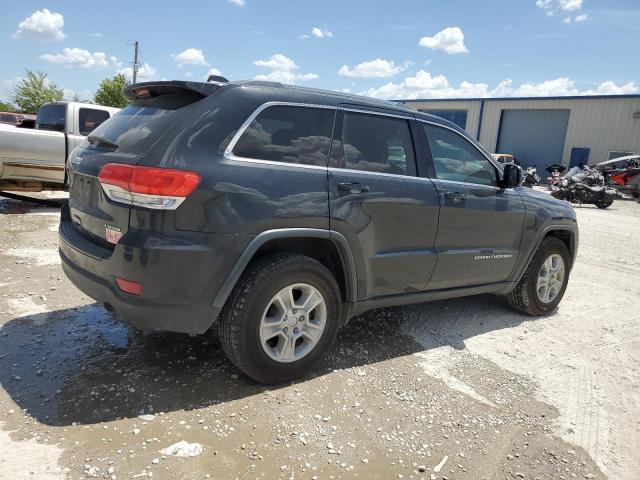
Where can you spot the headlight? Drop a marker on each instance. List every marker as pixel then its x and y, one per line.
pixel 565 182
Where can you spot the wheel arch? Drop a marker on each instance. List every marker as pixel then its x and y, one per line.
pixel 328 247
pixel 568 234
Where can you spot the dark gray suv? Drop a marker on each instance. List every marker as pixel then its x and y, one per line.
pixel 282 212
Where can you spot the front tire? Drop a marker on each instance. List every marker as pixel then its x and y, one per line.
pixel 282 318
pixel 604 202
pixel 543 284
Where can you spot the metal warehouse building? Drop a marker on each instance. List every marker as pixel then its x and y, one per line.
pixel 545 130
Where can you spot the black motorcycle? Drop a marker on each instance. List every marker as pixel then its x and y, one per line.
pixel 584 185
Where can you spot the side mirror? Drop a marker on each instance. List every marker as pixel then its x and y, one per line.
pixel 512 176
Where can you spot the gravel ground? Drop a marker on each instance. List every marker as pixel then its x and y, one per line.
pixel 458 389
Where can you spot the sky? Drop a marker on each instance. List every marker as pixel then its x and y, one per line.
pixel 391 50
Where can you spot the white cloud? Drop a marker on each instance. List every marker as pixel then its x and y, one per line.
pixel 581 18
pixel 145 73
pixel 77 57
pixel 378 68
pixel 97 34
pixel 283 69
pixel 321 32
pixel 239 3
pixel 425 85
pixel 551 7
pixel 42 25
pixel 190 56
pixel 450 40
pixel 610 88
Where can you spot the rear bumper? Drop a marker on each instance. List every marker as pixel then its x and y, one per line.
pixel 179 276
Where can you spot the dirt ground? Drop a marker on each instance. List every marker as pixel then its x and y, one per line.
pixel 458 389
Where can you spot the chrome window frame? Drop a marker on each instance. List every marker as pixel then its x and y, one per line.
pixel 228 152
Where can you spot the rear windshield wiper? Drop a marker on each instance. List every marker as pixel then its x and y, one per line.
pixel 104 141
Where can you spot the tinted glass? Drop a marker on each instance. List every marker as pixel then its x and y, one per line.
pixel 375 143
pixel 51 117
pixel 455 158
pixel 90 119
pixel 288 134
pixel 137 127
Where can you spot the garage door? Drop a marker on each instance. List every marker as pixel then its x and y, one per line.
pixel 534 137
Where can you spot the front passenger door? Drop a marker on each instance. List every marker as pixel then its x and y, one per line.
pixel 480 224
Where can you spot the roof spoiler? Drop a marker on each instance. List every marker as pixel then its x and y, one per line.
pixel 155 89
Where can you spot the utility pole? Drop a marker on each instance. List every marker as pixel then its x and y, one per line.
pixel 136 65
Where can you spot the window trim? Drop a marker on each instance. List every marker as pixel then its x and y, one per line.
pixel 472 141
pixel 228 152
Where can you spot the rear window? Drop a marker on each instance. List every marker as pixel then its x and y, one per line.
pixel 288 134
pixel 51 117
pixel 90 119
pixel 137 127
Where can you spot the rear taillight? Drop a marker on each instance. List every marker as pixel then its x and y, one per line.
pixel 148 187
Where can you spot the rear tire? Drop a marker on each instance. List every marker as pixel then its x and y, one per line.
pixel 242 321
pixel 525 297
pixel 604 202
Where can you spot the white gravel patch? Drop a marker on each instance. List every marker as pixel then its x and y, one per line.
pixel 28 459
pixel 183 449
pixel 26 306
pixel 40 256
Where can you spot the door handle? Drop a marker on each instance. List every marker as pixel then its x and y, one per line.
pixel 454 196
pixel 353 187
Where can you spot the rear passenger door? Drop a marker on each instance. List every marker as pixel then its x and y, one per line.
pixel 275 173
pixel 377 201
pixel 480 224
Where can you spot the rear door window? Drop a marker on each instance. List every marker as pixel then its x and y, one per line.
pixel 376 143
pixel 51 117
pixel 288 134
pixel 90 118
pixel 456 159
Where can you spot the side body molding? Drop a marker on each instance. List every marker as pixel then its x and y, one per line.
pixel 259 240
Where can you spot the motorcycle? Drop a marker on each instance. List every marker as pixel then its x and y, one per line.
pixel 585 185
pixel 531 177
pixel 622 173
pixel 555 174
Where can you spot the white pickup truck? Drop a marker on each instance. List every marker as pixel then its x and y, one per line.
pixel 34 159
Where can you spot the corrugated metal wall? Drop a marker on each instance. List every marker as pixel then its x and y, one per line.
pixel 600 124
pixel 472 108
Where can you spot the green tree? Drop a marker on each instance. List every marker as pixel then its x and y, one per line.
pixel 34 90
pixel 7 107
pixel 110 93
